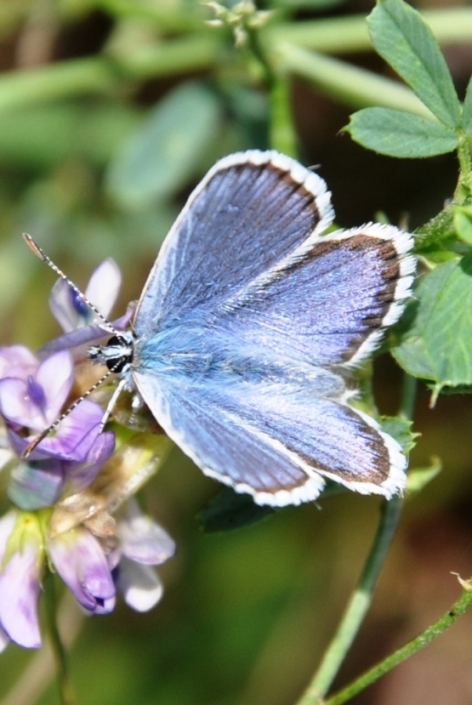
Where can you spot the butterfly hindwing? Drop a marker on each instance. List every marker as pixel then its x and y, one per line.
pixel 276 441
pixel 331 305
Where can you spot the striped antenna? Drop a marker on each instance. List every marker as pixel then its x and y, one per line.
pixel 106 325
pixel 34 247
pixel 32 445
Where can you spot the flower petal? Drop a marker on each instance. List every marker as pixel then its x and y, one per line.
pixel 139 584
pixel 56 375
pixel 104 285
pixel 80 561
pixel 62 306
pixel 71 312
pixel 143 540
pixel 19 589
pixel 81 476
pixel 17 361
pixel 7 522
pixel 36 401
pixel 76 434
pixel 36 485
pixel 4 640
pixel 16 405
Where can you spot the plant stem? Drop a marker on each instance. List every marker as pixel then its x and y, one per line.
pixel 409 388
pixel 343 35
pixel 463 193
pixel 350 84
pixel 357 607
pixel 362 596
pixel 103 75
pixel 281 130
pixel 57 646
pixel 373 674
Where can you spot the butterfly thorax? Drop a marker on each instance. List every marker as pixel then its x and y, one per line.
pixel 196 354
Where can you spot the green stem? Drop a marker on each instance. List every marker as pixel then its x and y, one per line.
pixel 409 388
pixel 166 17
pixel 373 674
pixel 463 193
pixel 104 75
pixel 343 35
pixel 362 596
pixel 282 136
pixel 357 607
pixel 352 85
pixel 57 646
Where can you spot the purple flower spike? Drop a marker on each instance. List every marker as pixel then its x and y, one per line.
pixel 102 290
pixel 34 398
pixel 80 561
pixel 19 584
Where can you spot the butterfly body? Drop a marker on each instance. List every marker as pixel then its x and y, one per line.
pixel 250 323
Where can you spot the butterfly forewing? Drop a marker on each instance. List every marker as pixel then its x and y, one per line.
pixel 246 215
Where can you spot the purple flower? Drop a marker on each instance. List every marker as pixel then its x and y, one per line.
pixel 143 544
pixel 69 309
pixel 81 324
pixel 81 562
pixel 94 555
pixel 21 554
pixel 32 395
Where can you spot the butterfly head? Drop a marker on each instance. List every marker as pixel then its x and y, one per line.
pixel 116 355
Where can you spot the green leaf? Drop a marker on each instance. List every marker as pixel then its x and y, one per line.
pixel 418 478
pixel 229 510
pixel 167 149
pixel 463 223
pixel 404 40
pixel 467 110
pixel 400 429
pixel 399 134
pixel 437 345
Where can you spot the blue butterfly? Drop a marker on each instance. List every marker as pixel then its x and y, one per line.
pixel 248 326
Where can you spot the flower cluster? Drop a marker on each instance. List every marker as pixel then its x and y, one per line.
pixel 94 553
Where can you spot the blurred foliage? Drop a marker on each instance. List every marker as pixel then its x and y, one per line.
pixel 110 111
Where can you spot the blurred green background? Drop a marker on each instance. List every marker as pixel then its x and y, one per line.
pixel 110 111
